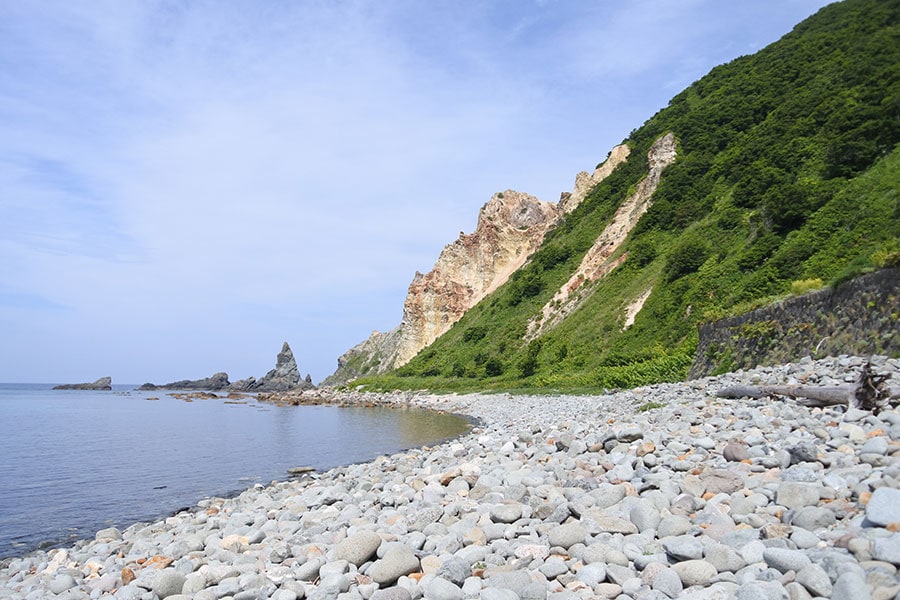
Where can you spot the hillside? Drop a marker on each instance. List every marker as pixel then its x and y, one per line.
pixel 786 170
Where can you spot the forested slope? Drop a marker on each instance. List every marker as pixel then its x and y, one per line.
pixel 787 172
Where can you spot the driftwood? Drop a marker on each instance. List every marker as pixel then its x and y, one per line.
pixel 869 392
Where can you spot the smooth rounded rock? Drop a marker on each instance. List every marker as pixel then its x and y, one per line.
pixel 567 535
pixel 815 580
pixel 884 506
pixel 735 452
pixel 668 582
pixel 592 575
pixel 398 560
pixel 441 589
pixel 785 560
pixel 506 513
pixel 887 549
pixel 695 572
pixel 794 494
pixel 391 593
pixel 61 583
pixel 813 517
pixel 168 582
pixel 358 548
pixel 850 586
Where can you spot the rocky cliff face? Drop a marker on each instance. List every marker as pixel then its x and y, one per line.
pixel 600 259
pixel 511 227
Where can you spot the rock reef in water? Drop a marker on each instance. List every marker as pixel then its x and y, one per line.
pixel 104 383
pixel 217 381
pixel 285 376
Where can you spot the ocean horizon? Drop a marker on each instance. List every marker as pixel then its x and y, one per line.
pixel 75 461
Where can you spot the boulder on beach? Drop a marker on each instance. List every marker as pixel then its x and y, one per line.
pixel 104 383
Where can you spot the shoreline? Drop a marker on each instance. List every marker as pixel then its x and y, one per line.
pixel 547 495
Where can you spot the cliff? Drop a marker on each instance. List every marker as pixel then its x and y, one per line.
pixel 775 185
pixel 511 227
pixel 601 259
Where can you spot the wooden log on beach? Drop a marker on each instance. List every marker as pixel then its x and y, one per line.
pixel 869 392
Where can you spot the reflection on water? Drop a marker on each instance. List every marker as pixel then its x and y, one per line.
pixel 72 462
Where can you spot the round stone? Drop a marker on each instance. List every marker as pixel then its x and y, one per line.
pixel 398 560
pixel 695 572
pixel 506 513
pixel 359 548
pixel 813 517
pixel 887 549
pixel 683 547
pixel 62 583
pixel 815 579
pixel 567 535
pixel 785 560
pixel 168 582
pixel 735 452
pixel 884 506
pixel 668 582
pixel 592 575
pixel 391 593
pixel 850 586
pixel 441 589
pixel 794 494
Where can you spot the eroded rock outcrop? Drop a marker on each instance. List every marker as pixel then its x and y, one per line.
pixel 285 376
pixel 600 259
pixel 103 384
pixel 585 182
pixel 511 227
pixel 368 357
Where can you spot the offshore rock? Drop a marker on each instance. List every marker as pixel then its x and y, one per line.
pixel 216 381
pixel 285 376
pixel 104 383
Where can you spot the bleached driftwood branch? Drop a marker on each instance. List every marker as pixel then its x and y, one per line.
pixel 869 392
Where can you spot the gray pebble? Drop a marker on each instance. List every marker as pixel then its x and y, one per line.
pixel 850 586
pixel 815 579
pixel 884 506
pixel 441 589
pixel 695 572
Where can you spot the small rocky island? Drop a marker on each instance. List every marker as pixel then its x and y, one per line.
pixel 285 376
pixel 104 383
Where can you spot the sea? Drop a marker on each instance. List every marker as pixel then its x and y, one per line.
pixel 73 462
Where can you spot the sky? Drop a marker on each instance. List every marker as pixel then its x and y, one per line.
pixel 185 185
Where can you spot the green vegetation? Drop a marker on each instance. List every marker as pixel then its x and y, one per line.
pixel 788 176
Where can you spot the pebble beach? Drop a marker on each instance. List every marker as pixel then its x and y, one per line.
pixel 665 491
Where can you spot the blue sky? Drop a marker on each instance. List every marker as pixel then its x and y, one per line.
pixel 186 184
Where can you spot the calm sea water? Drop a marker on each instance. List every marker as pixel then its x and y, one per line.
pixel 73 462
